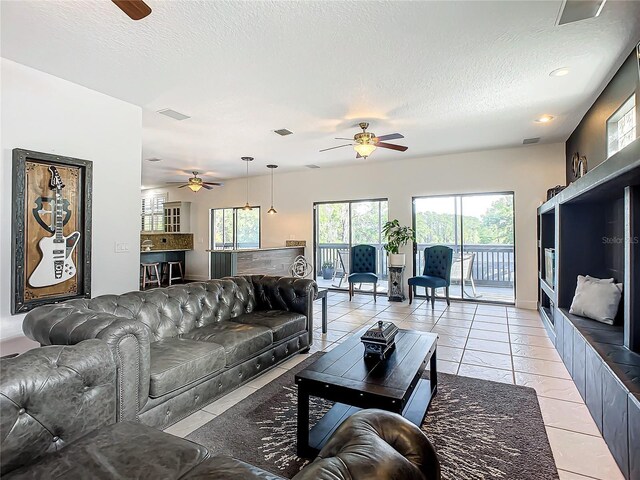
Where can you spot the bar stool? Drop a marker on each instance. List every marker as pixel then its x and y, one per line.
pixel 148 271
pixel 169 271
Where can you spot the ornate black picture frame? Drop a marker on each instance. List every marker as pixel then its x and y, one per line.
pixel 51 229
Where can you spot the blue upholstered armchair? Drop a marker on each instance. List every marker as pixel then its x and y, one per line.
pixel 363 268
pixel 437 273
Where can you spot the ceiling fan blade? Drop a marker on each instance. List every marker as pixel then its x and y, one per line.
pixel 217 184
pixel 358 155
pixel 135 9
pixel 343 138
pixel 339 146
pixel 391 146
pixel 391 136
pixel 182 186
pixel 207 187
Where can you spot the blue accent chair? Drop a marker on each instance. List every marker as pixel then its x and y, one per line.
pixel 363 268
pixel 437 273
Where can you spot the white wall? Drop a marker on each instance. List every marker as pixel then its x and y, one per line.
pixel 44 113
pixel 528 171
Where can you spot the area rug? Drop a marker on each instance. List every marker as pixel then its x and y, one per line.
pixel 480 429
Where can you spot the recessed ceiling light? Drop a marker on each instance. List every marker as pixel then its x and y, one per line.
pixel 544 119
pixel 559 72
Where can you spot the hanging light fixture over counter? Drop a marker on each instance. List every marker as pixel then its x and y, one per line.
pixel 272 211
pixel 247 159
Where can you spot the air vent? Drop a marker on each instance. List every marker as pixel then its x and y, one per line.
pixel 154 159
pixel 283 132
pixel 576 10
pixel 173 114
pixel 529 141
pixel 312 166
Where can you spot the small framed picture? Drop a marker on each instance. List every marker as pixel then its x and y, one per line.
pixel 51 229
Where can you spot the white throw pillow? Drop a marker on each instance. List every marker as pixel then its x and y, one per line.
pixel 597 299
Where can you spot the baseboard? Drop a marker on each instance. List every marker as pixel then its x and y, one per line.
pixel 527 304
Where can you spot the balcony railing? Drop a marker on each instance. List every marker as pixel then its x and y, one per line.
pixel 493 265
pixel 328 252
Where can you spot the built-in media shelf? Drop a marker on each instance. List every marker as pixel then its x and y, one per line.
pixel 592 227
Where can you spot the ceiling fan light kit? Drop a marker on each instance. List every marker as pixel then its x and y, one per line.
pixel 247 207
pixel 272 211
pixel 365 143
pixel 195 183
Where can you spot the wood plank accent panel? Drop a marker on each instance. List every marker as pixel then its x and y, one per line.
pixel 271 261
pixel 267 262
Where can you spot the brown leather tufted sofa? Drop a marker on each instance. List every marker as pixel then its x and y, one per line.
pixel 58 421
pixel 178 348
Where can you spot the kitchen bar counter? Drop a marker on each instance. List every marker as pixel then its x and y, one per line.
pixel 253 261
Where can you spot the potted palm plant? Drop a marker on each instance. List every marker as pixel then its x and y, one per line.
pixel 397 237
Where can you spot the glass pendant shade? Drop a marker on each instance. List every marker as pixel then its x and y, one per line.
pixel 364 149
pixel 272 211
pixel 195 187
pixel 247 160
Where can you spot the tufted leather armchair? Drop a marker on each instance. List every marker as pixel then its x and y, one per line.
pixel 363 268
pixel 58 412
pixel 436 274
pixel 178 348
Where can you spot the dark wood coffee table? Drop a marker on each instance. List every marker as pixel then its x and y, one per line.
pixel 342 375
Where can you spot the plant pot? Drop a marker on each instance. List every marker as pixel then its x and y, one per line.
pixel 397 260
pixel 327 273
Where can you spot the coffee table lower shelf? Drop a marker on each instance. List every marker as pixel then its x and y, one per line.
pixel 415 412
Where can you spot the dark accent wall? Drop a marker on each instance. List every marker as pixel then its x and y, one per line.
pixel 590 136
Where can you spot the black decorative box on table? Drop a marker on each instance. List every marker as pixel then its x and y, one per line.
pixel 379 340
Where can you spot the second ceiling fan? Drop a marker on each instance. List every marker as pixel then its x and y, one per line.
pixel 364 143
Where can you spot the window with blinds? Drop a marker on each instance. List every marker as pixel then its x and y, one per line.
pixel 152 216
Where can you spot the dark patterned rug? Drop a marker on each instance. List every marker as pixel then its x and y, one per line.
pixel 480 429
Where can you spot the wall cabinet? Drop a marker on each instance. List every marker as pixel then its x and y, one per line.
pixel 177 217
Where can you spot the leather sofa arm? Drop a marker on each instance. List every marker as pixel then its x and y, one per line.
pixel 128 340
pixel 375 444
pixel 50 396
pixel 285 293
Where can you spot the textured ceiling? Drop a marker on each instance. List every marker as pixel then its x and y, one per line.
pixel 450 76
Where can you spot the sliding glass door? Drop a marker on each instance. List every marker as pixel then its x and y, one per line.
pixel 480 230
pixel 340 225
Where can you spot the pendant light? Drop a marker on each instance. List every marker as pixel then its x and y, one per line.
pixel 272 211
pixel 247 207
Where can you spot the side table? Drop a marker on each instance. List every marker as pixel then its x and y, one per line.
pixel 322 295
pixel 396 284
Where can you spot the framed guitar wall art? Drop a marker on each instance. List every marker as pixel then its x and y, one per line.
pixel 51 229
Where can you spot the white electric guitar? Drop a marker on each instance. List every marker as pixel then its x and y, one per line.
pixel 56 265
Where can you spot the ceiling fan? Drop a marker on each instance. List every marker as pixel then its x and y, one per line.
pixel 135 9
pixel 366 142
pixel 195 183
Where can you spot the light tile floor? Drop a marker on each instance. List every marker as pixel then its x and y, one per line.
pixel 498 343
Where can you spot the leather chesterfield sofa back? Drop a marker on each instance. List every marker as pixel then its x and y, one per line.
pixel 48 396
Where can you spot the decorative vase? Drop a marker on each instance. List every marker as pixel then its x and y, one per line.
pixel 397 260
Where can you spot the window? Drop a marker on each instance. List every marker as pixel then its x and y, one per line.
pixel 235 228
pixel 621 127
pixel 152 216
